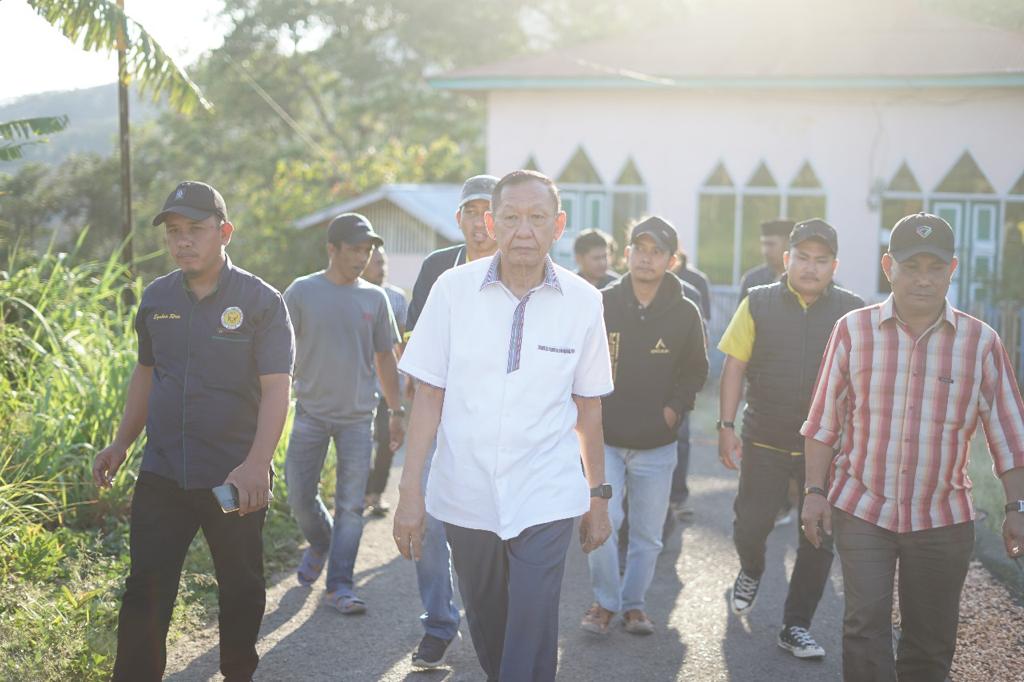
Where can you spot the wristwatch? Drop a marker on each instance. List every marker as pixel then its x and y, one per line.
pixel 604 491
pixel 400 412
pixel 724 425
pixel 1015 506
pixel 815 490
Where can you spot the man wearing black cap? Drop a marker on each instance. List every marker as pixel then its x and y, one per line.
pixel 776 339
pixel 344 328
pixel 774 236
pixel 905 383
pixel 659 363
pixel 211 388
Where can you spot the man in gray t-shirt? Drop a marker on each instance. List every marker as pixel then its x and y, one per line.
pixel 344 331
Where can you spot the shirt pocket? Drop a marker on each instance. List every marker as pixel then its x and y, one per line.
pixel 228 362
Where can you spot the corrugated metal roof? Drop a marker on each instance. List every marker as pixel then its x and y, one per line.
pixel 433 204
pixel 861 43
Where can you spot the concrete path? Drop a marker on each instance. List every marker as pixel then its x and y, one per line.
pixel 697 638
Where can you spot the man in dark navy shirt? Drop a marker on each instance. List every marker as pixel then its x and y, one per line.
pixel 211 388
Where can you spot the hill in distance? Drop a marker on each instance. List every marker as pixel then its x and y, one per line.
pixel 92 126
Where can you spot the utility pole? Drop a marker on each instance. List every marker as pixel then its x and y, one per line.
pixel 126 161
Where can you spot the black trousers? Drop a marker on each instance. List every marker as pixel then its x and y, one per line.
pixel 382 454
pixel 932 565
pixel 164 520
pixel 511 590
pixel 764 480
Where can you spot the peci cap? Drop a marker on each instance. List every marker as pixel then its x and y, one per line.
pixel 922 233
pixel 818 229
pixel 477 187
pixel 659 229
pixel 352 228
pixel 195 200
pixel 780 227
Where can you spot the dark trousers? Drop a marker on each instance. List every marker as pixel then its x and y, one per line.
pixel 164 520
pixel 680 491
pixel 382 454
pixel 932 565
pixel 510 589
pixel 764 480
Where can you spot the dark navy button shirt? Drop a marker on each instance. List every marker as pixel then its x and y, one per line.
pixel 207 357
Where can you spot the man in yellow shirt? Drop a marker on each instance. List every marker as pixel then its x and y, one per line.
pixel 776 339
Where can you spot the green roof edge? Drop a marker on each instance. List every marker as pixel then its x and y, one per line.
pixel 998 80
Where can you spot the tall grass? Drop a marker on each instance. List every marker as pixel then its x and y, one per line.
pixel 67 349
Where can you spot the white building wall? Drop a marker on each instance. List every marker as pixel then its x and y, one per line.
pixel 853 140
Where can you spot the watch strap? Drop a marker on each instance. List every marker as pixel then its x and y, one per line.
pixel 725 425
pixel 604 491
pixel 1015 506
pixel 815 490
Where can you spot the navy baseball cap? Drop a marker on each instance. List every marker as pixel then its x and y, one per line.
pixel 352 228
pixel 779 227
pixel 660 230
pixel 922 233
pixel 195 200
pixel 816 229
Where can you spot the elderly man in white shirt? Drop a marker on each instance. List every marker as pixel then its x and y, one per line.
pixel 511 357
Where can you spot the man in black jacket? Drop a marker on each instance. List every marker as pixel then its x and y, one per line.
pixel 659 363
pixel 777 339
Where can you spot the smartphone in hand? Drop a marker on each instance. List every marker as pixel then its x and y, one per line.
pixel 227 497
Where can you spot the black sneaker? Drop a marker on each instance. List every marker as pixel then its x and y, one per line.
pixel 744 593
pixel 432 652
pixel 798 641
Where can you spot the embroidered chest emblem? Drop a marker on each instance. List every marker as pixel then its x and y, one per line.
pixel 660 348
pixel 231 318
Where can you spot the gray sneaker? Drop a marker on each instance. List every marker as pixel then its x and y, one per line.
pixel 798 641
pixel 744 593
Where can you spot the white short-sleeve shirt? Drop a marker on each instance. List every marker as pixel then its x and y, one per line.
pixel 507 453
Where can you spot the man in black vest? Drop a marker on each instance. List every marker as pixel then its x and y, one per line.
pixel 777 339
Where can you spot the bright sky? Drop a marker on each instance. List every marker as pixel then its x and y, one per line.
pixel 36 57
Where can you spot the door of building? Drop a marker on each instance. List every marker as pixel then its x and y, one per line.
pixel 976 226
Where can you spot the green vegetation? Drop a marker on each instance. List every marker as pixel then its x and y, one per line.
pixel 67 347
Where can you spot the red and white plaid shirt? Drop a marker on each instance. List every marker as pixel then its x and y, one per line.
pixel 903 411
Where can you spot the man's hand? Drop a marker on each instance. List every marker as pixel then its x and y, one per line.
pixel 730 448
pixel 595 526
pixel 253 484
pixel 396 427
pixel 410 522
pixel 1013 534
pixel 106 464
pixel 671 418
pixel 816 518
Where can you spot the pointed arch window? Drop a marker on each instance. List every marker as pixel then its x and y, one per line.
pixel 629 200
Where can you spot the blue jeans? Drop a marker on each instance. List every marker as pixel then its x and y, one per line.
pixel 434 576
pixel 304 461
pixel 645 476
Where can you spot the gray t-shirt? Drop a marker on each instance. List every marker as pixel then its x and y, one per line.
pixel 338 328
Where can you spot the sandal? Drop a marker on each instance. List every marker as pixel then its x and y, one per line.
pixel 596 619
pixel 348 604
pixel 310 567
pixel 637 622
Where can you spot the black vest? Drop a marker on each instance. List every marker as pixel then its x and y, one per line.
pixel 788 348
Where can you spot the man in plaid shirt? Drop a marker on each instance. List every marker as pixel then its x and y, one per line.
pixel 900 393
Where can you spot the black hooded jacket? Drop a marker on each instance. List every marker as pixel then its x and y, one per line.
pixel 659 359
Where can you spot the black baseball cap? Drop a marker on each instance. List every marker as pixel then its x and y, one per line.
pixel 779 227
pixel 352 228
pixel 477 187
pixel 195 200
pixel 817 229
pixel 922 233
pixel 660 230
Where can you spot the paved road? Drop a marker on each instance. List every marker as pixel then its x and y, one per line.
pixel 697 637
